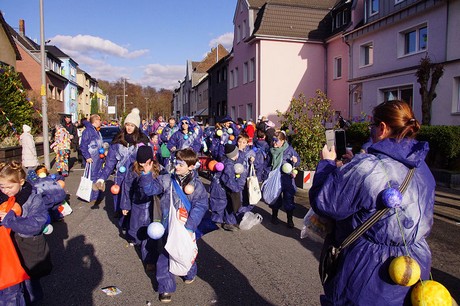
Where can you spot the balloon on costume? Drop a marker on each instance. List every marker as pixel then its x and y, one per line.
pixel 155 230
pixel 391 197
pixel 189 189
pixel 122 169
pixel 220 166
pixel 239 168
pixel 286 168
pixel 115 189
pixel 101 150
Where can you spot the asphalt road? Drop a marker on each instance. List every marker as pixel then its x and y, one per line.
pixel 267 265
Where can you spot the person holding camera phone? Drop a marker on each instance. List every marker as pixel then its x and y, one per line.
pixel 351 194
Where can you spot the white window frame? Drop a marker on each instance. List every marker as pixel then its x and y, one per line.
pixel 456 96
pixel 245 72
pixel 252 69
pixel 338 68
pixel 73 94
pixel 370 10
pixel 362 54
pixel 402 42
pixel 244 28
pixel 230 80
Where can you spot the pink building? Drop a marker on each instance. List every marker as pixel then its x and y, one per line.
pixel 278 53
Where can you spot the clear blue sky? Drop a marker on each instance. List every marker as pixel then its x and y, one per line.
pixel 147 41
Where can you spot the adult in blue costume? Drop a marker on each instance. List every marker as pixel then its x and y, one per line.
pixel 281 153
pixel 121 156
pixel 188 136
pixel 350 195
pixel 91 143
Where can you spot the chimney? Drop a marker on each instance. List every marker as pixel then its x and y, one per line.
pixel 22 28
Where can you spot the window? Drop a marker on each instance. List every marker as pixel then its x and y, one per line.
pixel 233 112
pixel 73 71
pixel 252 70
pixel 224 74
pixel 249 113
pixel 244 28
pixel 73 93
pixel 404 93
pixel 238 34
pixel 337 68
pixel 245 72
pixel 230 85
pixel 367 54
pixel 399 1
pixel 415 39
pixel 373 7
pixel 456 96
pixel 235 78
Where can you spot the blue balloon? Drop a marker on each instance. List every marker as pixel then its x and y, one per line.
pixel 391 197
pixel 185 136
pixel 53 176
pixel 101 151
pixel 155 230
pixel 122 169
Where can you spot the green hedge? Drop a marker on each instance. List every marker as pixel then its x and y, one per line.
pixel 444 143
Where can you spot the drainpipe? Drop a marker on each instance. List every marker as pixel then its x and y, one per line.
pixel 350 75
pixel 325 68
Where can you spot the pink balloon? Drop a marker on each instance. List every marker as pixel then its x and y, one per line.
pixel 219 166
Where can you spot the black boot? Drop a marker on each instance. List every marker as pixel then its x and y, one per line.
pixel 275 216
pixel 290 222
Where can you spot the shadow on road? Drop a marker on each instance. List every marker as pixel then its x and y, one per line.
pixel 73 286
pixel 229 284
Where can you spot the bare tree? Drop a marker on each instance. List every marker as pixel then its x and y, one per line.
pixel 425 72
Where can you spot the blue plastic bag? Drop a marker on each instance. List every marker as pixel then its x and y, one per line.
pixel 271 188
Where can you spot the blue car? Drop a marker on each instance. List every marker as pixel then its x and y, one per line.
pixel 108 133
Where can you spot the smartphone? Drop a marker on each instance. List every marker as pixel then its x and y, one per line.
pixel 330 139
pixel 340 143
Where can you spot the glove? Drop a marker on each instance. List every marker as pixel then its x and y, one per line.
pixel 100 184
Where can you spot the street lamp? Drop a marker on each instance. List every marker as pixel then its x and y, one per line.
pixel 116 104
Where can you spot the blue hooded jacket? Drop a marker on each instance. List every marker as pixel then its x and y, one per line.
pixel 350 195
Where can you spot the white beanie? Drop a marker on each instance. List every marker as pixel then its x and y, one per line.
pixel 133 117
pixel 26 128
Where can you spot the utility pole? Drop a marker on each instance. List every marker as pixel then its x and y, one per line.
pixel 46 141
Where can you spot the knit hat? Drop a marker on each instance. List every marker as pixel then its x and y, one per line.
pixel 133 117
pixel 144 153
pixel 231 150
pixel 26 128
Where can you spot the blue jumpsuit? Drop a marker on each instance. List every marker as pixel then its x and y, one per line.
pixel 218 142
pixel 350 195
pixel 91 142
pixel 199 201
pixel 222 184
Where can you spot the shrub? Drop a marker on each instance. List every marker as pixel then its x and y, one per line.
pixel 306 120
pixel 444 144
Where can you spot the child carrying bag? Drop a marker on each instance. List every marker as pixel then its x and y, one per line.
pixel 254 192
pixel 86 185
pixel 271 188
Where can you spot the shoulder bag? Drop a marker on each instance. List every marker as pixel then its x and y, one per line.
pixel 330 254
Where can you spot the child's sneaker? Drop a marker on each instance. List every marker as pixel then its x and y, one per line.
pixel 165 297
pixel 189 281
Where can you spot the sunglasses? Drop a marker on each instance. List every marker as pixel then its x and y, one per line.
pixel 179 162
pixel 184 122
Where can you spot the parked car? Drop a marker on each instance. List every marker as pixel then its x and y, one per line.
pixel 108 133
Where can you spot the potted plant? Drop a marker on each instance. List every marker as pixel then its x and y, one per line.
pixel 304 122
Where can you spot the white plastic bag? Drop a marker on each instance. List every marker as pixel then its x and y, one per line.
pixel 254 193
pixel 86 185
pixel 181 246
pixel 249 220
pixel 315 227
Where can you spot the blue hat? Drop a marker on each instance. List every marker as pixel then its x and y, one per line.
pixel 226 119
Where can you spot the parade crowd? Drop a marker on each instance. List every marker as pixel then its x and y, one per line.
pixel 162 206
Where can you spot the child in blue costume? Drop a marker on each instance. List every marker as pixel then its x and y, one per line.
pixel 351 194
pixel 139 205
pixel 26 227
pixel 226 188
pixel 185 176
pixel 226 132
pixel 261 163
pixel 121 156
pixel 91 148
pixel 282 153
pixel 188 136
